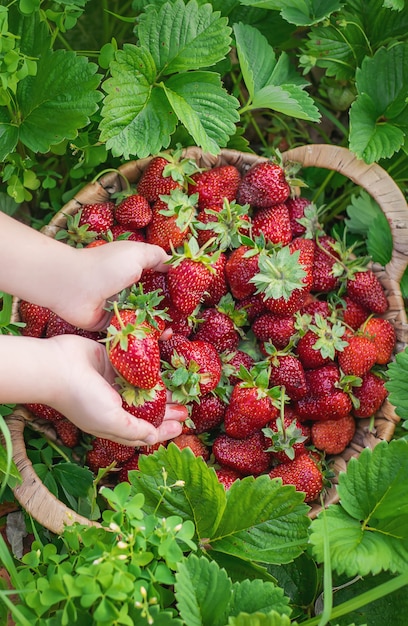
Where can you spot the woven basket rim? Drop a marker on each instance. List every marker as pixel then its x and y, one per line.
pixel 373 178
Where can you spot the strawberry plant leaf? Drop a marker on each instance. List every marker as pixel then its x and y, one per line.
pixel 361 211
pixel 183 36
pixel 251 596
pixel 263 521
pixel 379 115
pixel 298 12
pixel 271 84
pixel 397 383
pixel 365 534
pixel 203 591
pixel 379 240
pixel 261 619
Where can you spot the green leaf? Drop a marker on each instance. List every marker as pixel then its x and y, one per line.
pixel 206 110
pixel 252 596
pixel 263 521
pixel 202 499
pixel 58 101
pixel 203 592
pixel 260 619
pixel 299 579
pixel 379 115
pixel 368 531
pixel 379 240
pixel 74 479
pixel 183 36
pixel 8 134
pixel 299 12
pixel 397 383
pixel 288 99
pixel 361 211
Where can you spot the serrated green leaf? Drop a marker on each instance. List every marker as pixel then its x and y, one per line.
pixel 8 134
pixel 361 211
pixel 379 116
pixel 379 240
pixel 251 47
pixel 74 479
pixel 58 101
pixel 202 499
pixel 260 619
pixel 263 522
pixel 396 5
pixel 206 110
pixel 397 383
pixel 368 531
pixel 288 99
pixel 257 596
pixel 299 579
pixel 183 36
pixel 299 12
pixel 203 592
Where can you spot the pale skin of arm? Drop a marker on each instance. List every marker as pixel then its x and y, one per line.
pixel 71 373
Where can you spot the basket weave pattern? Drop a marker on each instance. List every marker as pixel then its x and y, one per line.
pixel 33 495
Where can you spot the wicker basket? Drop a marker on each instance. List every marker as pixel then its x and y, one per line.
pixel 54 515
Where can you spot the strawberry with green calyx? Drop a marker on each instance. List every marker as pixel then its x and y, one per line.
pixel 321 343
pixel 276 329
pixel 303 473
pixel 240 268
pixel 144 304
pixel 382 333
pixel 195 443
pixel 76 234
pixel 370 395
pixel 218 286
pixel 325 277
pixel 252 403
pixel 133 212
pixel 133 348
pixel 274 223
pixel 333 436
pixel 98 217
pixel 146 404
pixel 286 371
pixel 366 289
pixel 301 208
pixel 207 414
pixel 120 233
pixel 316 307
pixel 351 312
pixel 246 456
pixel 221 325
pixel 189 275
pixel 34 319
pixel 264 184
pixel 224 224
pixel 231 363
pixel 214 185
pixel 173 220
pixel 333 405
pixel 359 356
pixel 286 436
pixel 166 171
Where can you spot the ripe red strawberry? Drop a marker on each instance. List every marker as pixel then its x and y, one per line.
pixel 189 276
pixel 35 318
pixel 151 280
pixel 133 212
pixel 296 208
pixel 231 363
pixel 323 380
pixel 359 356
pixel 224 223
pixel 213 185
pixel 333 436
pixel 217 328
pixel 382 334
pixel 246 456
pixel 252 305
pixel 324 407
pixel 287 441
pixel 352 313
pixel 287 371
pixel 263 185
pixel 370 395
pixel 324 277
pixel 98 456
pixel 177 342
pixel 146 404
pixel 249 410
pixel 207 414
pixel 274 328
pixel 316 307
pixel 67 432
pixel 58 326
pixel 227 476
pixel 240 267
pixel 133 350
pixel 366 289
pixel 44 412
pixel 164 173
pixel 321 343
pixel 218 286
pixel 303 472
pixel 171 220
pixel 196 445
pixel 119 233
pixel 274 223
pixel 206 357
pixel 114 451
pixel 131 464
pixel 99 217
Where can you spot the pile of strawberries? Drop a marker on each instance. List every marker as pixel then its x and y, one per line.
pixel 277 346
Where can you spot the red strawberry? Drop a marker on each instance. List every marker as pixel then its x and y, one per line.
pixel 296 208
pixel 98 456
pixel 274 223
pixel 303 472
pixel 146 404
pixel 209 362
pixel 333 436
pixel 246 456
pixel 287 371
pixel 252 305
pixel 114 451
pixel 131 464
pixel 208 413
pixel 213 185
pixel 324 278
pixel 171 220
pixel 274 328
pixel 163 173
pixel 177 342
pixel 242 265
pixel 119 232
pixel 352 313
pixel 99 217
pixel 382 333
pixel 366 289
pixel 231 363
pixel 218 285
pixel 224 223
pixel 189 276
pixel 319 307
pixel 288 441
pixel 67 432
pixel 58 326
pixel 180 323
pixel 227 476
pixel 321 343
pixel 133 212
pixel 323 380
pixel 44 412
pixel 263 185
pixel 217 328
pixel 151 280
pixel 133 350
pixel 324 407
pixel 248 411
pixel 359 356
pixel 35 318
pixel 370 395
pixel 193 442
